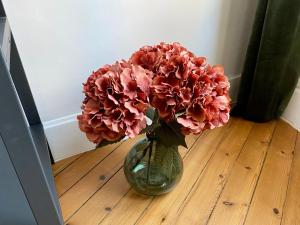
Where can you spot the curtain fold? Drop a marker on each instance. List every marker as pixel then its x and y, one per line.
pixel 272 64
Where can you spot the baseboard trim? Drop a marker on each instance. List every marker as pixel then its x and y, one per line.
pixel 65 139
pixel 291 123
pixel 291 114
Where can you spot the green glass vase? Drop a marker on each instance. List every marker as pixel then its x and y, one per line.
pixel 152 168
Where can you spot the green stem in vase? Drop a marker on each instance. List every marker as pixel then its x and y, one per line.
pixel 138 161
pixel 151 161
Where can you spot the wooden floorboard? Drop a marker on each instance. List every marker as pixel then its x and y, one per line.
pixel 79 193
pixel 270 193
pixel 62 164
pixel 77 170
pixel 291 212
pixel 200 202
pixel 107 198
pixel 242 173
pixel 234 201
pixel 161 208
pixel 128 200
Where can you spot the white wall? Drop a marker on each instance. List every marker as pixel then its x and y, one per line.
pixel 62 41
pixel 291 114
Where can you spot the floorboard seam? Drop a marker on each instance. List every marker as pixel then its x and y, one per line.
pixel 183 203
pixel 262 167
pixel 189 150
pixel 129 189
pixel 106 183
pixel 226 180
pixel 89 170
pixel 69 164
pixel 289 179
pixel 93 194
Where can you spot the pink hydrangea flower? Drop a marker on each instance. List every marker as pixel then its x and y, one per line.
pixel 185 88
pixel 115 102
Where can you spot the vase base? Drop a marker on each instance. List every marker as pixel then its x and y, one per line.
pixel 152 168
pixel 158 186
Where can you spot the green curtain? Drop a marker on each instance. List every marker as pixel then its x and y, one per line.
pixel 272 64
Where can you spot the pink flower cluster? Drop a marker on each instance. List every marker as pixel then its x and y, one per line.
pixel 185 88
pixel 115 103
pixel 182 86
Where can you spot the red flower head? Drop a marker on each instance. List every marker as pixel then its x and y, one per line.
pixel 181 86
pixel 185 88
pixel 115 103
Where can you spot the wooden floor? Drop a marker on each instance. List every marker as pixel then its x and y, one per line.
pixel 242 173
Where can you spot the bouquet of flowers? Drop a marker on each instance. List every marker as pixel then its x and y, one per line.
pixel 179 91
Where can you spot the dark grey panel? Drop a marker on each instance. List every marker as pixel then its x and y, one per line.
pixel 2 13
pixel 14 208
pixel 21 84
pixel 24 154
pixel 26 148
pixel 37 132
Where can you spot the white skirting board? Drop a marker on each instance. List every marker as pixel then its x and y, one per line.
pixel 291 114
pixel 65 139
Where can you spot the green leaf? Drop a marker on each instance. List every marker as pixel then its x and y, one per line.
pixel 169 134
pixel 105 142
pixel 176 127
